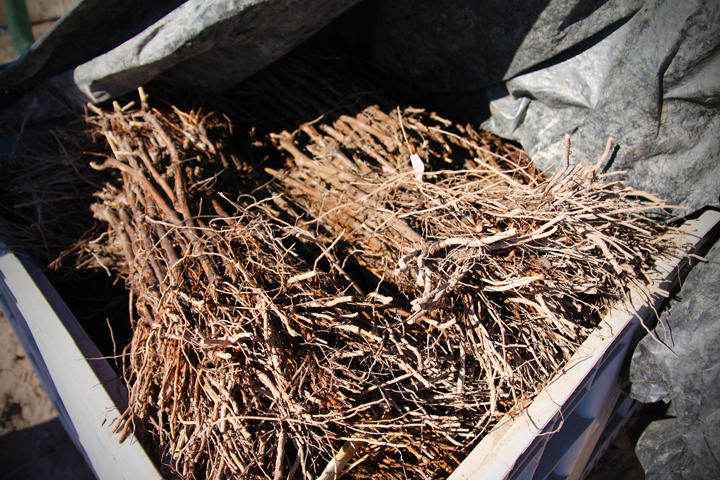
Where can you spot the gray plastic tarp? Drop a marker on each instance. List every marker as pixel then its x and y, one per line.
pixel 687 445
pixel 88 56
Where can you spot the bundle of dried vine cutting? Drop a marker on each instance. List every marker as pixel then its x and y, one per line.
pixel 246 359
pixel 505 270
pixel 356 176
pixel 356 304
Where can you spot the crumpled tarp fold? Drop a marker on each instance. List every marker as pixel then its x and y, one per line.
pixel 686 446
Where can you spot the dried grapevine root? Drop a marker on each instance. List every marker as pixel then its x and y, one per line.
pixel 341 303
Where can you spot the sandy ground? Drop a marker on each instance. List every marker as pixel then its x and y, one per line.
pixel 619 461
pixel 33 442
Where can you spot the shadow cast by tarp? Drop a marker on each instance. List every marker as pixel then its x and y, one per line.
pixel 643 72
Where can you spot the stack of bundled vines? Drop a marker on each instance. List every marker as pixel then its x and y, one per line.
pixel 349 303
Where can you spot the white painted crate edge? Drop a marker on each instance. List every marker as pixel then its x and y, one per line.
pixel 84 395
pixel 497 454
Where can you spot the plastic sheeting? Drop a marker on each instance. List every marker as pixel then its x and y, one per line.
pixel 688 445
pixel 653 85
pixel 100 50
pixel 90 28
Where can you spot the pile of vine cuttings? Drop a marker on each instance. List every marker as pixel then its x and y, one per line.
pixel 365 294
